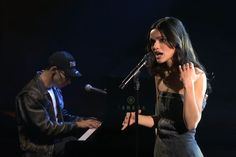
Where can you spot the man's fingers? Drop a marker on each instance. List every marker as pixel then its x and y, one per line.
pixel 93 123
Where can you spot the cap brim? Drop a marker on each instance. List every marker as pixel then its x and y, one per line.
pixel 73 73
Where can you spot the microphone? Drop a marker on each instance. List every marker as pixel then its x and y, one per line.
pixel 145 61
pixel 149 58
pixel 90 88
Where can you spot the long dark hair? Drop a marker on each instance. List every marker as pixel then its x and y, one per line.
pixel 177 37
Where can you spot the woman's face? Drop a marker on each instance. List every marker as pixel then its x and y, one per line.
pixel 159 45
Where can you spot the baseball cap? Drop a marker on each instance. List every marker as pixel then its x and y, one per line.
pixel 66 62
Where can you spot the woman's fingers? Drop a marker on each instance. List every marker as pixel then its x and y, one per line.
pixel 186 66
pixel 129 120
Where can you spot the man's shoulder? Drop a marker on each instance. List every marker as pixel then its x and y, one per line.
pixel 32 88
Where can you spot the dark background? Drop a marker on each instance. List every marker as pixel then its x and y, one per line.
pixel 108 38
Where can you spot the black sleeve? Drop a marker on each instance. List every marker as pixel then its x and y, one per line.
pixel 69 117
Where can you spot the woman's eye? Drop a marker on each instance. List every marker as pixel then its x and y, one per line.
pixel 152 41
pixel 163 40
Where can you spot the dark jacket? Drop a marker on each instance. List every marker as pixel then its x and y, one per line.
pixel 36 122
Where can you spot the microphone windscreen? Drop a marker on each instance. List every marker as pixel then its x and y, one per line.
pixel 150 58
pixel 88 87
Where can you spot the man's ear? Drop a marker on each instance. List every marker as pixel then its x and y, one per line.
pixel 53 68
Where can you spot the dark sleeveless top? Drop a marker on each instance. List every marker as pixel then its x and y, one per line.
pixel 173 138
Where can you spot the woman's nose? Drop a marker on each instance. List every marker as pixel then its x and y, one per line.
pixel 156 45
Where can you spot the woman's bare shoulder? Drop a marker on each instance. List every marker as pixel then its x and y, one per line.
pixel 199 72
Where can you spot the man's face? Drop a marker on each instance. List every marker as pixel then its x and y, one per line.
pixel 61 79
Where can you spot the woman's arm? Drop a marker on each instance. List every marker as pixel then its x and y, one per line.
pixel 144 120
pixel 194 82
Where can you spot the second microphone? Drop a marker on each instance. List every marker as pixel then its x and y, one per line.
pixel 90 88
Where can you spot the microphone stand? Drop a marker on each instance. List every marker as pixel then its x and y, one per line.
pixel 135 74
pixel 147 57
pixel 132 73
pixel 137 107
